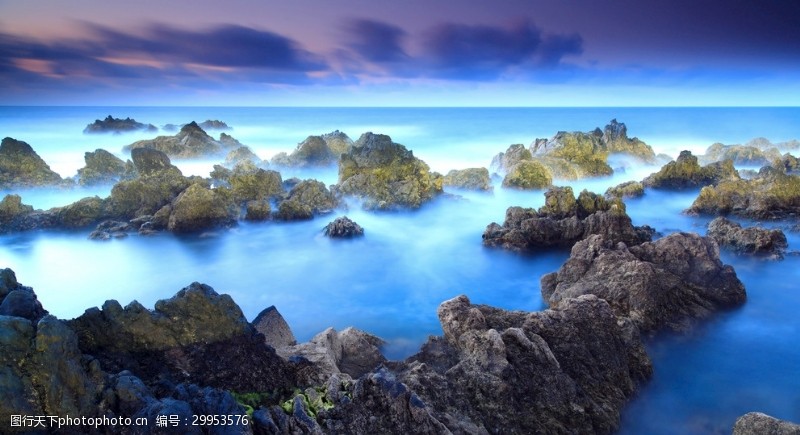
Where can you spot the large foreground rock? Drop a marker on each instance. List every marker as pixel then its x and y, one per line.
pixel 563 221
pixel 686 173
pixel 663 284
pixel 751 240
pixel 770 195
pixel 756 423
pixel 20 166
pixel 190 142
pixel 386 174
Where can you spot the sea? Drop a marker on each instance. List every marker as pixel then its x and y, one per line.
pixel 391 281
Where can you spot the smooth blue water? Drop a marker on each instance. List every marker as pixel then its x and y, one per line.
pixel 391 281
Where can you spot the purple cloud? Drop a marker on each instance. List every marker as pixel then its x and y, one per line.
pixel 376 41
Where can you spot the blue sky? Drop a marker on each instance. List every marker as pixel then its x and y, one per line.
pixel 409 53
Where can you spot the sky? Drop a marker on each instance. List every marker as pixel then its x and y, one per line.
pixel 400 52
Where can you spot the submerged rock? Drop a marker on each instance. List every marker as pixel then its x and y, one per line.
pixel 386 174
pixel 312 152
pixel 770 195
pixel 20 166
pixel 528 174
pixel 190 142
pixel 343 228
pixel 102 167
pixel 470 179
pixel 118 125
pixel 686 173
pixel 756 423
pixel 563 221
pixel 663 284
pixel 751 240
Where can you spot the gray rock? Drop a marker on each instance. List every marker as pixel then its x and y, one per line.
pixel 668 283
pixel 686 173
pixel 343 228
pixel 470 179
pixel 751 240
pixel 350 351
pixel 199 209
pixel 117 125
pixel 20 166
pixel 312 152
pixel 190 142
pixel 275 329
pixel 756 423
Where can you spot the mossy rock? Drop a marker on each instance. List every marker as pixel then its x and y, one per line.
pixel 250 183
pixel 83 213
pixel 102 167
pixel 312 152
pixel 528 175
pixel 503 162
pixel 291 210
pixel 770 195
pixel 560 168
pixel 386 174
pixel 199 208
pixel 146 194
pixel 628 189
pixel 11 207
pixel 190 142
pixel 470 179
pixel 615 136
pixel 258 210
pixel 740 154
pixel 315 195
pixel 686 173
pixel 242 154
pixel 20 166
pixel 338 142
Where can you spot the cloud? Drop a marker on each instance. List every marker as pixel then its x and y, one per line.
pixel 375 41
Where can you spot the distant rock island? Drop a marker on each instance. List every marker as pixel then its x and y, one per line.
pixel 118 125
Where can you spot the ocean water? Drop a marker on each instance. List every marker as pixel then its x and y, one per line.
pixel 390 282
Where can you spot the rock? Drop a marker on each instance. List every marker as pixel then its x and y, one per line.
pixel 386 174
pixel 12 210
pixel 575 367
pixel 515 154
pixel 338 142
pixel 275 329
pixel 249 183
pixel 198 209
pixel 563 221
pixel 18 300
pixel 102 167
pixel 343 228
pixel 762 424
pixel 770 195
pixel 82 213
pixel 740 155
pixel 242 154
pixel 791 164
pixel 109 229
pixel 257 210
pixel 628 189
pixel 686 173
pixel 312 194
pixel 294 211
pixel 197 336
pixel 190 142
pixel 752 240
pixel 350 351
pixel 117 125
pixel 214 125
pixel 312 152
pixel 668 283
pixel 159 183
pixel 528 174
pixel 469 179
pixel 20 166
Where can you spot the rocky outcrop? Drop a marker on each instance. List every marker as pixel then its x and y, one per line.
pixel 190 142
pixel 158 184
pixel 199 208
pixel 751 240
pixel 762 424
pixel 686 173
pixel 20 166
pixel 257 210
pixel 314 195
pixel 242 154
pixel 556 371
pixel 343 228
pixel 102 167
pixel 468 179
pixel 515 153
pixel 386 174
pixel 250 183
pixel 528 174
pixel 563 221
pixel 740 155
pixel 628 189
pixel 13 213
pixel 294 211
pixel 312 152
pixel 668 283
pixel 214 124
pixel 769 195
pixel 118 125
pixel 338 142
pixel 275 329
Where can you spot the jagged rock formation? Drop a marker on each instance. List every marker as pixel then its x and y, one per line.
pixel 770 195
pixel 312 152
pixel 628 189
pixel 118 125
pixel 386 174
pixel 338 142
pixel 528 174
pixel 762 424
pixel 751 240
pixel 190 142
pixel 740 155
pixel 275 329
pixel 343 228
pixel 102 167
pixel 667 283
pixel 214 124
pixel 563 221
pixel 20 166
pixel 199 208
pixel 469 179
pixel 686 173
pixel 242 154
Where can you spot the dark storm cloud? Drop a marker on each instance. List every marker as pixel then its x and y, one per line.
pixel 376 41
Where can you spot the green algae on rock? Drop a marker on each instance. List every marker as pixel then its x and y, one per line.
pixel 528 174
pixel 102 167
pixel 190 142
pixel 770 195
pixel 20 166
pixel 470 179
pixel 686 173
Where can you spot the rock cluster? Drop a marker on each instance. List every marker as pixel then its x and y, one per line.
pixel 118 125
pixel 386 174
pixel 468 179
pixel 563 221
pixel 20 166
pixel 751 240
pixel 746 155
pixel 102 167
pixel 667 283
pixel 686 173
pixel 190 142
